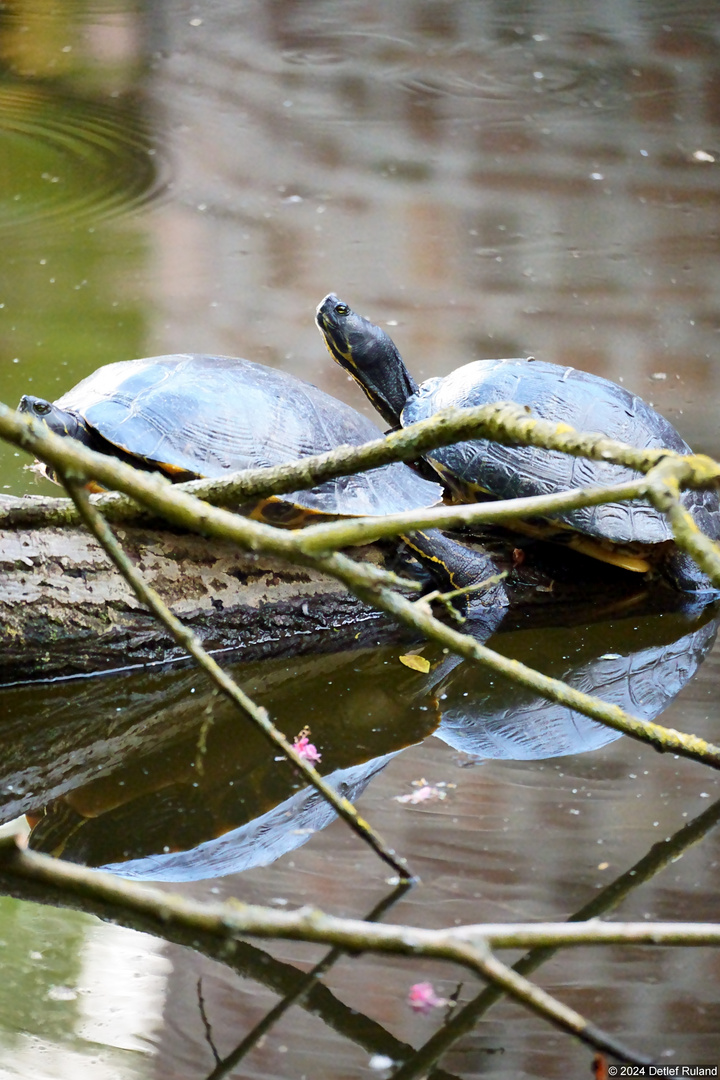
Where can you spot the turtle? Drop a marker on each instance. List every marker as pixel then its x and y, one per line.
pixel 196 415
pixel 632 534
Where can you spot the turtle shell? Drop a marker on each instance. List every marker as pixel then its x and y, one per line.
pixel 584 401
pixel 209 416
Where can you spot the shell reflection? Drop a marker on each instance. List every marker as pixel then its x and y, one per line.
pixel 167 815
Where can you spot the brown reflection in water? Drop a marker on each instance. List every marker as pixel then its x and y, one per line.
pixel 579 156
pixel 154 764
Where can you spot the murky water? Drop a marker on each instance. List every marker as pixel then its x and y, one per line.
pixel 486 180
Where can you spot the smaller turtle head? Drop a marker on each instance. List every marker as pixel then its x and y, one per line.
pixel 369 355
pixel 58 420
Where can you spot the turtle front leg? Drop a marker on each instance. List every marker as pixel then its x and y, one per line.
pixel 456 568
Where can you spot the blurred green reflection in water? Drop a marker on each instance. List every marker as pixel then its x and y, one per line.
pixel 69 160
pixel 39 946
pixel 78 153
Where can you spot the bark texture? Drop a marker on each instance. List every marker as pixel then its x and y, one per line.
pixel 64 609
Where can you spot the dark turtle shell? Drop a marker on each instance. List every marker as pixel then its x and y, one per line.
pixel 209 416
pixel 564 395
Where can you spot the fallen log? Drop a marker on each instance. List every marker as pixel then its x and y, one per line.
pixel 65 610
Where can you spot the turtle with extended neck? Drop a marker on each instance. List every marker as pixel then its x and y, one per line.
pixel 631 534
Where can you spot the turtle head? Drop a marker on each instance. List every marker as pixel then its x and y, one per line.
pixel 367 353
pixel 58 420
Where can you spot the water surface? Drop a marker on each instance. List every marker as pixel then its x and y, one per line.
pixel 484 180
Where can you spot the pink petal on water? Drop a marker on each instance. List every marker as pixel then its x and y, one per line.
pixel 421 795
pixel 422 998
pixel 306 750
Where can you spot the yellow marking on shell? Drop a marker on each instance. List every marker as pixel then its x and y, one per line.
pixel 557 532
pixel 172 470
pixel 467 490
pixel 564 429
pixel 285 515
pixel 617 556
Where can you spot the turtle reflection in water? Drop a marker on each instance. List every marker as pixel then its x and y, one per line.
pixel 190 416
pixel 651 660
pixel 630 534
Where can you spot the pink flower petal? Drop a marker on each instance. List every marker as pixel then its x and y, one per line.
pixel 306 750
pixel 422 998
pixel 421 795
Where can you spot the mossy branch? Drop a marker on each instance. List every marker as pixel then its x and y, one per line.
pixel 349 532
pixel 503 422
pixel 414 615
pixel 158 495
pixel 469 946
pixel 368 583
pixel 664 484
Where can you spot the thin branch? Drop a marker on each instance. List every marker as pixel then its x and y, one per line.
pixel 473 948
pixel 548 1007
pixel 248 961
pixel 159 495
pixel 413 615
pixel 367 582
pixel 469 946
pixel 663 485
pixel 206 1022
pixel 503 422
pixel 191 643
pixel 349 532
pixel 660 855
pixel 305 985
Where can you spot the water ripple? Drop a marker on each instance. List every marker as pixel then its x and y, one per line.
pixel 486 79
pixel 71 161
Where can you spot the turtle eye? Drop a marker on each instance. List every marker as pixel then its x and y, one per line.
pixel 42 407
pixel 342 309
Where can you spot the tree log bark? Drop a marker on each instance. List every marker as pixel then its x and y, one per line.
pixel 64 609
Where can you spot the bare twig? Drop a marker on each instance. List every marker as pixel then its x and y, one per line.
pixel 329 536
pixel 663 484
pixel 503 422
pixel 206 1022
pixel 227 1064
pixel 469 946
pixel 660 855
pixel 190 642
pixel 413 615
